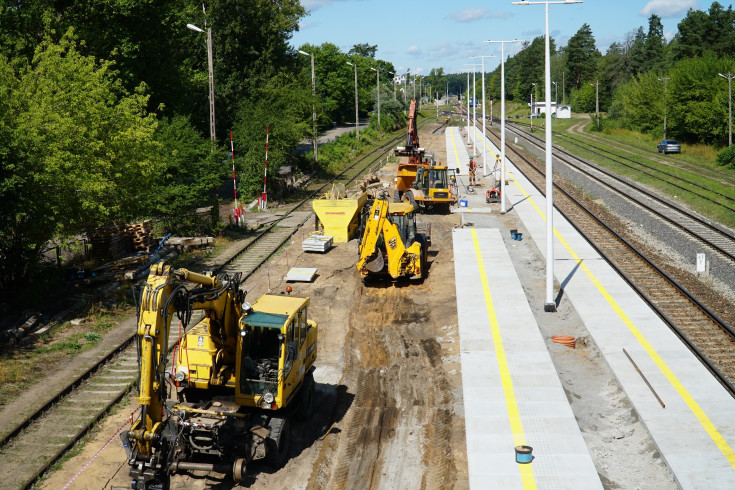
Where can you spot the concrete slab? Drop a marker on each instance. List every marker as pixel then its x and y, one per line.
pixel 512 395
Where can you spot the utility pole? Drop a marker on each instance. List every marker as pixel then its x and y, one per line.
pixel 664 79
pixel 357 114
pixel 729 77
pixel 597 106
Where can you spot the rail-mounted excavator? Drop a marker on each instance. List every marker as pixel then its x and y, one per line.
pixel 419 180
pixel 236 379
pixel 391 243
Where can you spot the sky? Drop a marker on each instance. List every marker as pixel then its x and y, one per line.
pixel 421 35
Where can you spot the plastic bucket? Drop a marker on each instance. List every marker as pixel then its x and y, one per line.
pixel 463 203
pixel 524 454
pixel 519 236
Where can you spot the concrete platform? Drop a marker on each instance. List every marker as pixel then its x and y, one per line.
pixel 695 432
pixel 512 395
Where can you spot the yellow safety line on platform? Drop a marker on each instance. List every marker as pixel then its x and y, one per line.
pixel 698 412
pixel 514 416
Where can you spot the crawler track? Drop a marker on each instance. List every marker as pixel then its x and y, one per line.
pixel 42 438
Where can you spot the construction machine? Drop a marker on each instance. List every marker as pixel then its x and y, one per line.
pixel 235 381
pixel 419 180
pixel 392 244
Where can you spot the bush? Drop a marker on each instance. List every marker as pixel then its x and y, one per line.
pixel 726 157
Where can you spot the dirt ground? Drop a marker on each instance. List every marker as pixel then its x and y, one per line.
pixel 389 395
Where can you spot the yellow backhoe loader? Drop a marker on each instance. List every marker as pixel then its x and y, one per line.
pixel 391 243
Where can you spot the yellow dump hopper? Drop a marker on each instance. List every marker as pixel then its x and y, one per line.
pixel 337 213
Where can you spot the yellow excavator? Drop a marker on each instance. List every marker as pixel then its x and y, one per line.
pixel 391 243
pixel 235 381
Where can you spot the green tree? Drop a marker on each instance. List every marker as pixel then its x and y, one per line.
pixel 582 56
pixel 363 49
pixel 80 152
pixel 654 44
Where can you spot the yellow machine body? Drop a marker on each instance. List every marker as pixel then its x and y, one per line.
pixel 338 215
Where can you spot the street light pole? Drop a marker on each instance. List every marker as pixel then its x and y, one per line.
pixel 357 115
pixel 502 121
pixel 729 77
pixel 534 96
pixel 597 106
pixel 210 65
pixel 474 104
pixel 549 303
pixel 556 97
pixel 665 80
pixel 484 146
pixel 377 89
pixel 313 106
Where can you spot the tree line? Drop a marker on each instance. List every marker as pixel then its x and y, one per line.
pixel 639 78
pixel 104 112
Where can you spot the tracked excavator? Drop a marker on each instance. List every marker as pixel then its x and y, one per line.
pixel 391 243
pixel 420 181
pixel 235 380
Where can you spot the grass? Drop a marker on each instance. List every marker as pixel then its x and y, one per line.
pixel 696 163
pixel 23 365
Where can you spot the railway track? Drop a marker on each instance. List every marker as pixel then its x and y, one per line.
pixel 32 446
pixel 710 338
pixel 711 235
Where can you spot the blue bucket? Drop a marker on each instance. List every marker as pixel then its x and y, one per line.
pixel 463 203
pixel 524 454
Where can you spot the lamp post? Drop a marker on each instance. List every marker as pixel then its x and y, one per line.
pixel 729 76
pixel 474 103
pixel 468 107
pixel 357 116
pixel 597 106
pixel 665 80
pixel 502 121
pixel 377 89
pixel 394 83
pixel 313 105
pixel 549 303
pixel 484 146
pixel 210 64
pixel 534 96
pixel 556 95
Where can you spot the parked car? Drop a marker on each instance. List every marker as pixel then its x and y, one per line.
pixel 669 146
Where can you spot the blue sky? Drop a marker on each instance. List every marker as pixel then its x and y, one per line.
pixel 421 35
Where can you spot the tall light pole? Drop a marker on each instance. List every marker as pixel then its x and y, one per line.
pixel 729 77
pixel 484 146
pixel 549 303
pixel 377 89
pixel 665 80
pixel 597 106
pixel 394 83
pixel 210 64
pixel 534 96
pixel 502 121
pixel 313 105
pixel 357 115
pixel 556 96
pixel 468 107
pixel 474 104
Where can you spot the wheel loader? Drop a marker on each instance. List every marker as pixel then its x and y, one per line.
pixel 236 379
pixel 391 243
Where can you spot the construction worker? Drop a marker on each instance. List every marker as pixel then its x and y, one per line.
pixel 473 168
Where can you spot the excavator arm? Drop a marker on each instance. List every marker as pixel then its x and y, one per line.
pixel 159 300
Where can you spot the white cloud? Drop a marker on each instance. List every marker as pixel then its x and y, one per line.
pixel 668 8
pixel 414 50
pixel 468 15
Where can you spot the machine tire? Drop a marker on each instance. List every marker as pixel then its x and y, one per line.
pixel 305 408
pixel 396 196
pixel 408 197
pixel 278 442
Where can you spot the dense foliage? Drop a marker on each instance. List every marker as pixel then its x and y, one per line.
pixel 104 111
pixel 639 80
